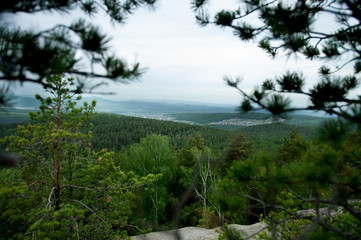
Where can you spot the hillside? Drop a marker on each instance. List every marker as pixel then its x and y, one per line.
pixel 115 131
pixel 215 116
pixel 137 106
pixel 216 124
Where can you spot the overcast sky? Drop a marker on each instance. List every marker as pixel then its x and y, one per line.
pixel 184 61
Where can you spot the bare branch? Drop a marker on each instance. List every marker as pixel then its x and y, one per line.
pixel 96 215
pixel 77 187
pixel 262 202
pixel 76 227
pixel 39 181
pixel 49 199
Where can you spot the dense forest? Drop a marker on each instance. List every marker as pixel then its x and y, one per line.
pixel 101 176
pixel 113 131
pixel 69 173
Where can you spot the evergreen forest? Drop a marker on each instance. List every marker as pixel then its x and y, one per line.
pixel 89 175
pixel 68 172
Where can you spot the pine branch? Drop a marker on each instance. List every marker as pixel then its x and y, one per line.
pixel 263 203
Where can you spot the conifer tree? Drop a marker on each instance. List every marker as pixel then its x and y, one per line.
pixel 31 56
pixel 68 189
pixel 289 26
pixel 312 189
pixel 239 149
pixel 56 134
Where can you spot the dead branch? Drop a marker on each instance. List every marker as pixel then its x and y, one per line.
pixel 96 215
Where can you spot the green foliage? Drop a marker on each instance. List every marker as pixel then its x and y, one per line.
pixel 224 18
pixel 333 132
pixel 285 229
pixel 278 104
pixel 196 172
pixel 352 149
pixel 115 131
pixel 246 105
pixel 186 155
pixel 239 149
pixel 139 186
pixel 153 155
pixel 297 227
pixel 63 188
pixel 16 201
pixel 292 148
pixel 269 137
pixel 316 177
pixel 242 192
pixel 292 28
pixel 291 82
pixel 29 55
pixel 229 233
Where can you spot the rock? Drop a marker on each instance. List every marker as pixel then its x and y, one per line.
pixel 195 233
pixel 249 230
pixel 187 233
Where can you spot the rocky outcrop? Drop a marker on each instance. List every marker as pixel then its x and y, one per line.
pixel 195 233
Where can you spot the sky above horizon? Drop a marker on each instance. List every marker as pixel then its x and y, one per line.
pixel 183 61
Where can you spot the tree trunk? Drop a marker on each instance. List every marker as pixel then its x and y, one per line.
pixel 56 159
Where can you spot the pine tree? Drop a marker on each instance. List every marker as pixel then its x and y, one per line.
pixel 239 149
pixel 292 148
pixel 314 191
pixel 31 56
pixel 63 188
pixel 290 27
pixel 56 134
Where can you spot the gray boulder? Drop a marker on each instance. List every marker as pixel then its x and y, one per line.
pixel 195 233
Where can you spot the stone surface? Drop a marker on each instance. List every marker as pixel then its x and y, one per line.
pixel 249 230
pixel 195 233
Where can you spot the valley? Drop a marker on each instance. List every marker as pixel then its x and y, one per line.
pixel 216 116
pixel 144 154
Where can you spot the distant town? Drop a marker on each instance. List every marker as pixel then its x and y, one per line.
pixel 232 121
pixel 247 122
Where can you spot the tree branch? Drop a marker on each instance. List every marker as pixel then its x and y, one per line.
pixel 39 181
pixel 96 215
pixel 354 212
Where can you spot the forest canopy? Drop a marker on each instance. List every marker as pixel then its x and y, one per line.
pixel 65 187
